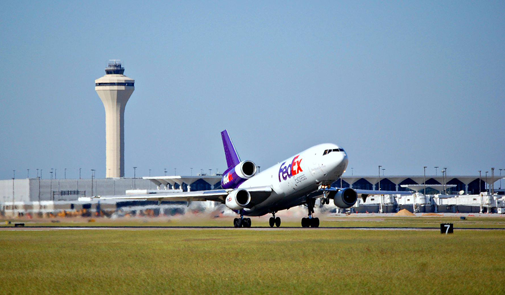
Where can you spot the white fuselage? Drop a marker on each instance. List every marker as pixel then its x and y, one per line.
pixel 296 177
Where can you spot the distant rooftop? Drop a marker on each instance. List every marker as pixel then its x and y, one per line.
pixel 114 67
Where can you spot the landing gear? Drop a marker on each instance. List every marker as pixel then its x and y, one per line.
pixel 246 222
pixel 310 221
pixel 237 222
pixel 274 221
pixel 242 222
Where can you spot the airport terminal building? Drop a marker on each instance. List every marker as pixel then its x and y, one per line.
pixel 36 189
pixel 443 194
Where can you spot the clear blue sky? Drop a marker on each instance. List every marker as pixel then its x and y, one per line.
pixel 400 84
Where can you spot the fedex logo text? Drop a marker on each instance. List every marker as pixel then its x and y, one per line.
pixel 290 170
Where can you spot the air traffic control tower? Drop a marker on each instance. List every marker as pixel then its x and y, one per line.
pixel 114 89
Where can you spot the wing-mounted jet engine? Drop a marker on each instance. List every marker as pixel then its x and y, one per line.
pixel 345 198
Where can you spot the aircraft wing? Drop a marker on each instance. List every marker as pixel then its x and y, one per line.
pixel 362 193
pixel 365 192
pixel 209 195
pixel 381 192
pixel 258 195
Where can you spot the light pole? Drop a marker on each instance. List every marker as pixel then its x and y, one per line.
pixel 175 171
pixel 352 171
pixel 39 188
pixel 37 172
pixel 492 181
pixel 27 173
pixel 480 185
pixel 165 171
pixel 55 176
pixel 92 178
pixel 13 178
pixel 500 177
pixel 445 180
pixel 134 177
pixel 65 173
pixel 383 173
pixel 424 192
pixel 436 170
pixel 380 177
pixel 51 186
pixel 485 185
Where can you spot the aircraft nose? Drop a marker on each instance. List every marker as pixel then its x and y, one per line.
pixel 339 163
pixel 344 162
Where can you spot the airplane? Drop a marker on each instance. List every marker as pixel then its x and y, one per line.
pixel 298 180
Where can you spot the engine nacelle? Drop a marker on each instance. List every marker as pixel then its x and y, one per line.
pixel 238 174
pixel 345 198
pixel 238 199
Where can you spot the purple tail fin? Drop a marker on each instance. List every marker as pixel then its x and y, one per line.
pixel 232 158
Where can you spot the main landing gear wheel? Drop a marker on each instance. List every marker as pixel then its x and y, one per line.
pixel 242 222
pixel 271 221
pixel 310 222
pixel 277 221
pixel 237 222
pixel 274 221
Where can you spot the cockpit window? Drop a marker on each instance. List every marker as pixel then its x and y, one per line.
pixel 332 150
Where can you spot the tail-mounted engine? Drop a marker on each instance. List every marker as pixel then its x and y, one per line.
pixel 238 174
pixel 345 198
pixel 238 199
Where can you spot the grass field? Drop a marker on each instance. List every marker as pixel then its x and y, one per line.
pixel 245 261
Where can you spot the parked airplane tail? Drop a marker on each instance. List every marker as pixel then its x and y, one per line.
pixel 232 157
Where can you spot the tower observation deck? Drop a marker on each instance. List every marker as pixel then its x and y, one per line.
pixel 114 89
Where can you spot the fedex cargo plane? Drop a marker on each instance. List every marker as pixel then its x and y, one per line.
pixel 299 179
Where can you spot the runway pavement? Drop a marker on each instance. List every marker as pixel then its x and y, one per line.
pixel 55 228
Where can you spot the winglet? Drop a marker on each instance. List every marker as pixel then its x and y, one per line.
pixel 232 157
